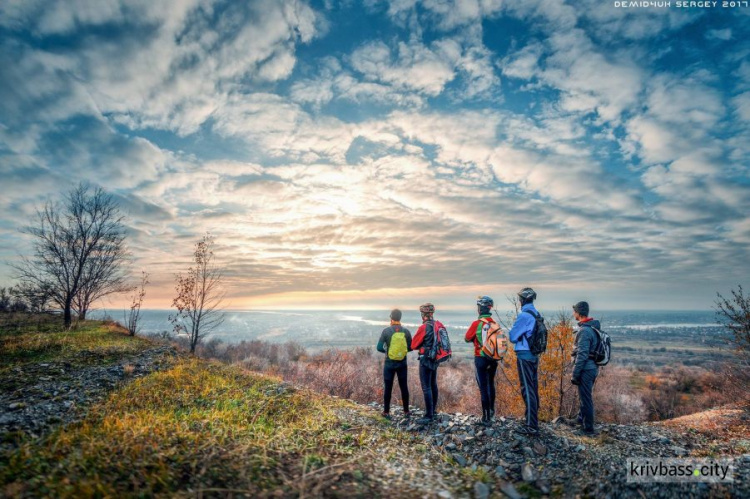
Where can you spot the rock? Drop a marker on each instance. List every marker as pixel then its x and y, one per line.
pixel 444 494
pixel 528 472
pixel 509 490
pixel 450 446
pixel 543 486
pixel 680 451
pixel 461 460
pixel 528 452
pixel 16 406
pixel 481 490
pixel 500 472
pixel 579 448
pixel 540 448
pixel 489 432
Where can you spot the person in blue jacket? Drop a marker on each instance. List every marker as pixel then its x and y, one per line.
pixel 527 362
pixel 585 369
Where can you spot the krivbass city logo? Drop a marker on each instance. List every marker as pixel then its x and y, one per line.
pixel 676 470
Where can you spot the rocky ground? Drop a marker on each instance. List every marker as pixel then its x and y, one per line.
pixel 453 457
pixel 561 463
pixel 35 398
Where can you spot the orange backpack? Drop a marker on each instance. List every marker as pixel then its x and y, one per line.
pixel 495 344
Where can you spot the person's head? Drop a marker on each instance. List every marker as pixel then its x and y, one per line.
pixel 396 315
pixel 527 295
pixel 484 305
pixel 427 310
pixel 581 310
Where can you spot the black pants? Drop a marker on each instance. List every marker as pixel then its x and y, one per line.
pixel 390 371
pixel 586 396
pixel 428 380
pixel 527 373
pixel 486 369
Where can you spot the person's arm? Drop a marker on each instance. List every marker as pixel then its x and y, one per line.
pixel 523 321
pixel 407 334
pixel 418 339
pixel 582 355
pixel 471 333
pixel 382 341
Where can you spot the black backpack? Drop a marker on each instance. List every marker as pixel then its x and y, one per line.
pixel 538 338
pixel 601 354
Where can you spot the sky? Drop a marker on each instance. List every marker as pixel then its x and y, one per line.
pixel 384 153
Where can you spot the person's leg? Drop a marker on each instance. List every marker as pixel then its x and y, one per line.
pixel 528 377
pixel 434 390
pixel 480 373
pixel 403 385
pixel 587 402
pixel 535 392
pixel 425 379
pixel 388 375
pixel 491 372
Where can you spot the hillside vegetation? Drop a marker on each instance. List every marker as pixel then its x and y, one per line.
pixel 97 413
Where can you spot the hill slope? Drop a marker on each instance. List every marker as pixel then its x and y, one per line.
pixel 98 413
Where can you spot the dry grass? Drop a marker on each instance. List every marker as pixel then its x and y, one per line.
pixel 197 428
pixel 91 342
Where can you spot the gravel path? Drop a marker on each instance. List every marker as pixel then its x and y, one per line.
pixel 35 398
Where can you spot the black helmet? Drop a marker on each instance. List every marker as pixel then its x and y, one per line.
pixel 427 309
pixel 527 294
pixel 485 302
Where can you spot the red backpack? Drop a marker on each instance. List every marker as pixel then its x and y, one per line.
pixel 441 345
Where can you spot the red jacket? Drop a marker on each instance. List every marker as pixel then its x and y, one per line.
pixel 418 340
pixel 477 332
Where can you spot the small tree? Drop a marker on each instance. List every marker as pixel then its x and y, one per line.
pixel 734 314
pixel 79 247
pixel 199 295
pixel 139 292
pixel 556 368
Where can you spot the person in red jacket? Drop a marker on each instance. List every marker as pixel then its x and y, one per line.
pixel 486 367
pixel 423 341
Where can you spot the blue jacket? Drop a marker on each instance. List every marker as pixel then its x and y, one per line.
pixel 586 342
pixel 522 329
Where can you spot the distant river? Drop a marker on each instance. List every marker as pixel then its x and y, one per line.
pixel 320 329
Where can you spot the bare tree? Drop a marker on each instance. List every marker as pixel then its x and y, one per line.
pixel 133 317
pixel 79 247
pixel 199 295
pixel 734 314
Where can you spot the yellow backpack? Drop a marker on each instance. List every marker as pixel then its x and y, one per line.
pixel 397 346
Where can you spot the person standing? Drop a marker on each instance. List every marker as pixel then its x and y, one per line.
pixel 526 361
pixel 585 370
pixel 395 343
pixel 423 341
pixel 485 367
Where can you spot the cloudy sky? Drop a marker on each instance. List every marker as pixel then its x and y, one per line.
pixel 379 153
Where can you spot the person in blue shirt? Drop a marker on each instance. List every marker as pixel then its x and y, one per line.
pixel 526 361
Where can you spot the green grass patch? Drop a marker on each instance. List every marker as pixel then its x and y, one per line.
pixel 93 342
pixel 196 426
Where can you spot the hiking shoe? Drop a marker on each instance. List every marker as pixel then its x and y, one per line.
pixel 386 415
pixel 424 420
pixel 529 432
pixel 407 414
pixel 584 433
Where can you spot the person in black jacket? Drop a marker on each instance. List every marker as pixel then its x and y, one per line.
pixel 395 342
pixel 585 369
